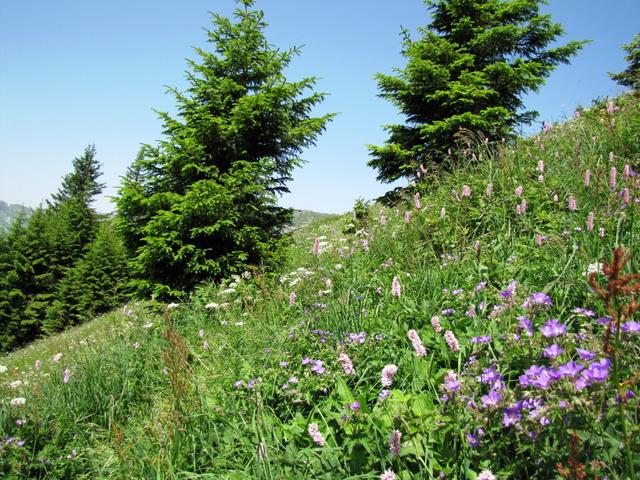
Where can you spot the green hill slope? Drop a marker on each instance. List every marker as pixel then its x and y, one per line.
pixel 454 336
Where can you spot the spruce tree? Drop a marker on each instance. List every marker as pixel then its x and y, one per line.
pixel 203 203
pixel 630 77
pixel 95 284
pixel 467 71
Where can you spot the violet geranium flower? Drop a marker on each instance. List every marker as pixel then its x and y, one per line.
pixel 553 328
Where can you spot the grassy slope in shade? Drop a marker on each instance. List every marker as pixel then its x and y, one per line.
pixel 282 377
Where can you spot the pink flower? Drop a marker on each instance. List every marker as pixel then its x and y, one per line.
pixel 489 191
pixel 587 178
pixel 417 343
pixel 519 190
pixel 627 171
pixel 452 341
pixel 347 366
pixel 435 323
pixel 611 108
pixel 316 247
pixel 388 475
pixel 486 475
pixel 471 313
pixel 466 191
pixel 540 166
pixel 387 374
pixel 38 364
pixel 590 218
pixel 394 443
pixel 365 245
pixel 56 358
pixel 572 203
pixel 66 375
pixel 292 299
pixel 395 287
pixel 626 196
pixel 316 436
pixel 407 217
pixel 613 178
pixel 521 209
pixel 383 219
pixel 540 239
pixel 416 200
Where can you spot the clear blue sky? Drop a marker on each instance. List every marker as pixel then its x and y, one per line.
pixel 75 72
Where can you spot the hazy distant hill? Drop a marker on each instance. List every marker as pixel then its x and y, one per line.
pixel 304 217
pixel 9 212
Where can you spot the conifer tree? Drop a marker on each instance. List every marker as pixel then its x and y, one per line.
pixel 467 71
pixel 95 284
pixel 630 77
pixel 203 203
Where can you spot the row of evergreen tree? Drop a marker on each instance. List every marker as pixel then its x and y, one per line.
pixel 62 265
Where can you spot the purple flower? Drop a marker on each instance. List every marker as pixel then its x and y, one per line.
pixel 536 376
pixel 603 320
pixel 585 355
pixel 512 415
pixel 538 299
pixel 491 399
pixel 451 383
pixel 448 311
pixel 553 328
pixel 394 443
pixel 318 367
pixel 553 351
pixel 474 441
pixel 483 339
pixel 584 311
pixel 490 376
pixel 480 286
pixel 384 394
pixel 631 327
pixel 526 325
pixel 570 369
pixel 355 406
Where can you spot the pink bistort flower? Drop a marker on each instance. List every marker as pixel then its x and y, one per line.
pixel 435 323
pixel 347 366
pixel 388 475
pixel 613 177
pixel 452 341
pixel 417 343
pixel 590 219
pixel 316 436
pixel 416 200
pixel 466 191
pixel 572 203
pixel 387 374
pixel 394 443
pixel 395 287
pixel 587 178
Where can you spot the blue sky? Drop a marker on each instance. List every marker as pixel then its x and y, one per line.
pixel 76 72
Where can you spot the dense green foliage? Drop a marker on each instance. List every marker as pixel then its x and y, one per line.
pixel 466 73
pixel 53 265
pixel 203 203
pixel 249 378
pixel 630 77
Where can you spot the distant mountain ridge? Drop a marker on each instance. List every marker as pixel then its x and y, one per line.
pixel 304 217
pixel 8 212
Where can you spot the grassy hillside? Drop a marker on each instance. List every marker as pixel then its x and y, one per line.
pixel 455 336
pixel 305 217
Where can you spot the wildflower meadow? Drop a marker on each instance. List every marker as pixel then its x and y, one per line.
pixel 484 327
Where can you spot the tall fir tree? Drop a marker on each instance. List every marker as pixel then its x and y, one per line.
pixel 203 203
pixel 630 77
pixel 467 71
